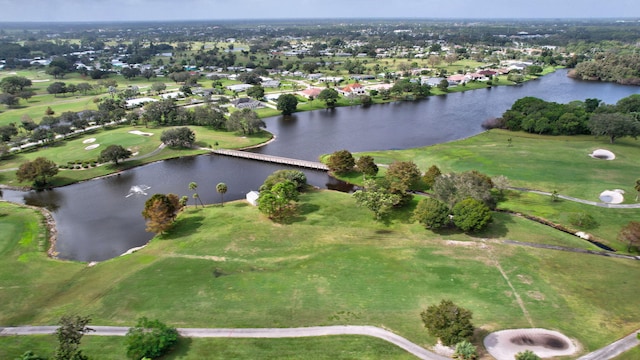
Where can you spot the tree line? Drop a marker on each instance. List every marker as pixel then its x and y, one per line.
pixel 620 68
pixel 591 116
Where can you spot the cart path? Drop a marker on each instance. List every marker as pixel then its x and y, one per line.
pixel 583 201
pixel 605 353
pixel 373 331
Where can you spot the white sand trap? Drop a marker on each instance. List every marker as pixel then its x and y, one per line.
pixel 40 81
pixel 612 196
pixel 91 147
pixel 602 154
pixel 89 141
pixel 136 132
pixel 505 344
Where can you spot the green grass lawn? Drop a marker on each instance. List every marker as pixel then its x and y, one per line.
pixel 544 163
pixel 321 348
pixel 331 265
pixel 75 149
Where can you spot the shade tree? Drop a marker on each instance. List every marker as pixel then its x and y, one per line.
pixel 448 322
pixel 114 153
pixel 278 203
pixel 245 121
pixel 178 137
pixel 297 177
pixel 429 177
pixel 69 334
pixel 630 234
pixel 39 170
pixel 376 198
pixel 614 125
pixel 341 162
pixel 403 176
pixel 455 187
pixel 329 96
pixel 367 166
pixel 287 103
pixel 160 212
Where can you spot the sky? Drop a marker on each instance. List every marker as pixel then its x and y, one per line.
pixel 150 10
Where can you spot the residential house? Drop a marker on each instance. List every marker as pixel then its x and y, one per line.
pixel 271 84
pixel 310 92
pixel 239 87
pixel 457 79
pixel 246 103
pixel 353 90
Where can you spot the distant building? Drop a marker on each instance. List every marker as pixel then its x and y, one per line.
pixel 239 87
pixel 353 89
pixel 311 92
pixel 131 103
pixel 246 103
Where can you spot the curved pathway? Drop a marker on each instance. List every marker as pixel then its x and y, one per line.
pixel 399 341
pixel 612 350
pixel 607 352
pixel 593 203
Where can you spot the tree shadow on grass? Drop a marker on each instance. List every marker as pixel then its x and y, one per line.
pixel 184 227
pixel 299 216
pixel 181 349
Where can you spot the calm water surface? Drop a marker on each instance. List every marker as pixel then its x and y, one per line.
pixel 101 219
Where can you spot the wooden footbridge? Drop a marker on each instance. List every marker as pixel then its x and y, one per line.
pixel 272 159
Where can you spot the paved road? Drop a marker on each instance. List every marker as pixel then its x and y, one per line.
pixel 399 341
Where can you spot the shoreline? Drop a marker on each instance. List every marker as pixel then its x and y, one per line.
pixel 50 226
pixel 273 138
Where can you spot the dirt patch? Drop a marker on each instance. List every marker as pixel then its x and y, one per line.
pixel 525 279
pixel 466 244
pixel 536 295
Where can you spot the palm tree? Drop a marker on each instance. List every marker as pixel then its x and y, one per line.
pixel 222 189
pixel 193 187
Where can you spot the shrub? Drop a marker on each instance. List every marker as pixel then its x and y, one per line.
pixel 431 213
pixel 471 215
pixel 465 351
pixel 150 339
pixel 582 220
pixel 527 355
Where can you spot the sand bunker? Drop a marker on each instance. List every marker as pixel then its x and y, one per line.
pixel 89 141
pixel 136 132
pixel 602 154
pixel 612 196
pixel 91 147
pixel 505 344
